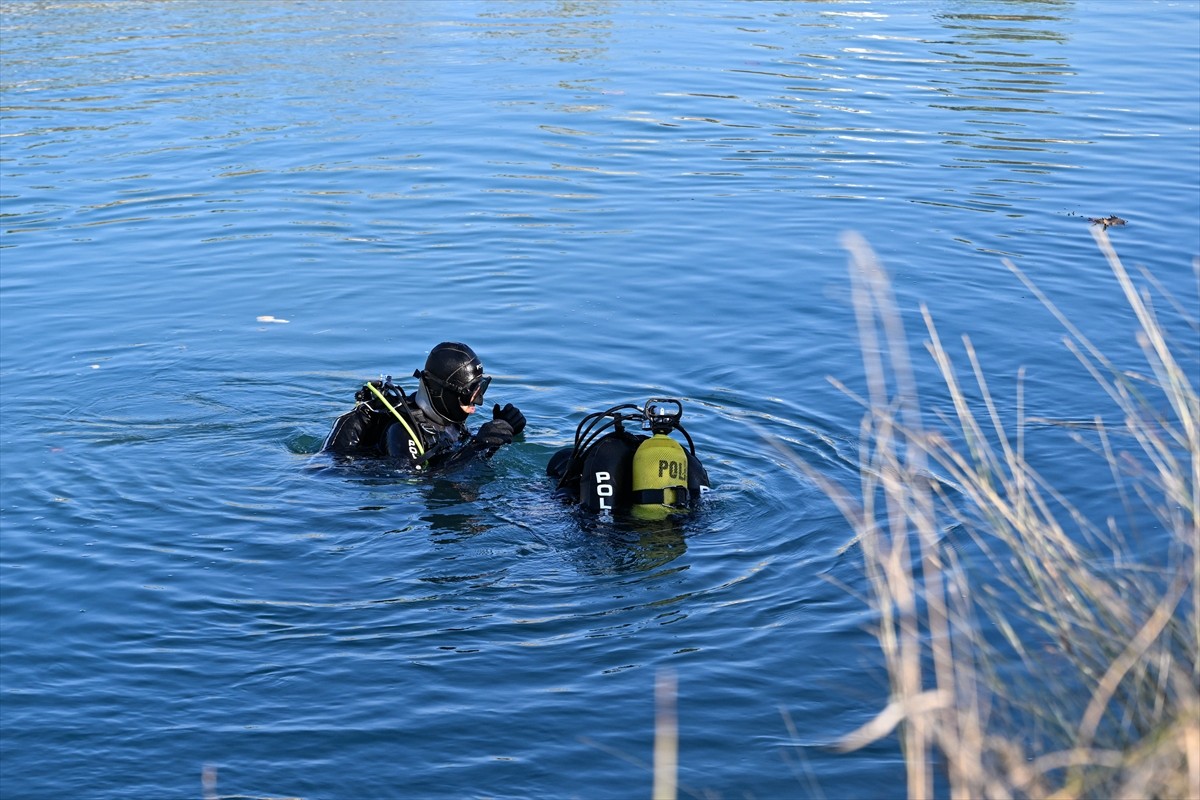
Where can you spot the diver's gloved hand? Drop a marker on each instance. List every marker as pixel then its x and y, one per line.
pixel 493 434
pixel 510 414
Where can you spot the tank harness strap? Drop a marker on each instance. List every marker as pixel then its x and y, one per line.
pixel 643 497
pixel 416 439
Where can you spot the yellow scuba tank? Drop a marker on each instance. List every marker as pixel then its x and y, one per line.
pixel 660 468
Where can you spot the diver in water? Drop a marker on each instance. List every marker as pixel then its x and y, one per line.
pixel 426 430
pixel 614 472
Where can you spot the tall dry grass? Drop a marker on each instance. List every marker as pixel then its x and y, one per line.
pixel 1044 658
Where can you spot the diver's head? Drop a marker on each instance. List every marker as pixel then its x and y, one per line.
pixel 454 380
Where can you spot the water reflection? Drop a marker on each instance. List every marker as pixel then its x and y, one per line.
pixel 629 547
pixel 835 103
pixel 456 508
pixel 984 27
pixel 842 100
pixel 577 30
pixel 452 509
pixel 1000 74
pixel 993 77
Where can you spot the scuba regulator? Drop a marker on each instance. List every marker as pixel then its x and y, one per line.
pixel 610 470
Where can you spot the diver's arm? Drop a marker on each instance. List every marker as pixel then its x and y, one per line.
pixel 448 453
pixel 448 448
pixel 454 446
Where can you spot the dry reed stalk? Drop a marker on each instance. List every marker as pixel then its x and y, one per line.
pixel 666 736
pixel 1127 639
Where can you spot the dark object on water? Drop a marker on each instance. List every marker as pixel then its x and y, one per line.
pixel 609 470
pixel 1106 222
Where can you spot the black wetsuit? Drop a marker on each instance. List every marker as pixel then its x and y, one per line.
pixel 423 440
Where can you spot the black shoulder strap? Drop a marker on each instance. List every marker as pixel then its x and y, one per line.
pixel 683 496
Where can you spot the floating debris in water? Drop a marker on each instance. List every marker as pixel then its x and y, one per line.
pixel 1106 222
pixel 269 318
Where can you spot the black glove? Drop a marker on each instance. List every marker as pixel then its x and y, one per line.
pixel 510 414
pixel 493 434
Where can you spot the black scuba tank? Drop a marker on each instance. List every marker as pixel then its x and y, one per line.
pixel 605 482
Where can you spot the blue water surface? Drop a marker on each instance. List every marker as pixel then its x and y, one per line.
pixel 219 218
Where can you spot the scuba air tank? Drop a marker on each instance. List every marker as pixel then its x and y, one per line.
pixel 605 480
pixel 613 472
pixel 660 465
